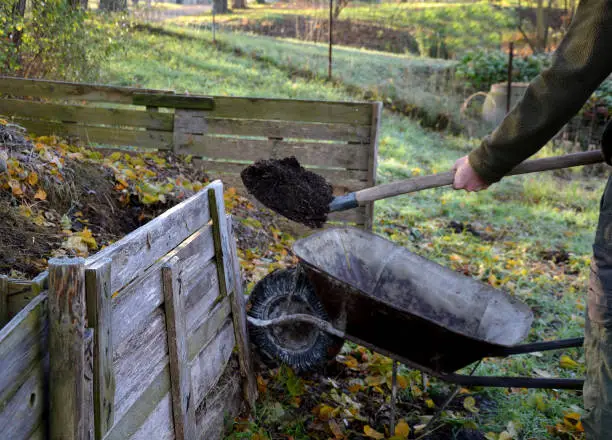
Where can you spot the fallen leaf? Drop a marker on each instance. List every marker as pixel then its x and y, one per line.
pixel 402 429
pixel 568 363
pixel 372 433
pixel 469 403
pixel 335 429
pixel 33 178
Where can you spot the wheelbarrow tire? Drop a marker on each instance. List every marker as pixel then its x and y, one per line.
pixel 302 346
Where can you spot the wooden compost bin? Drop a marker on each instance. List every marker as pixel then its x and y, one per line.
pixel 136 341
pixel 336 139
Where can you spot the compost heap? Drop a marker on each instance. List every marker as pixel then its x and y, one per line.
pixel 290 190
pixel 59 198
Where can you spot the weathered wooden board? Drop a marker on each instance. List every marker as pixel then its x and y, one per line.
pixel 377 109
pixel 200 122
pixel 71 91
pixel 308 153
pixel 99 316
pixel 40 433
pixel 141 413
pixel 136 252
pixel 292 110
pixel 4 304
pixel 158 425
pixel 216 204
pixel 88 115
pixel 207 327
pixel 22 413
pixel 160 140
pixel 180 378
pixel 135 360
pixel 222 403
pixel 174 101
pixel 88 384
pixel 202 294
pixel 207 367
pixel 138 300
pixel 23 343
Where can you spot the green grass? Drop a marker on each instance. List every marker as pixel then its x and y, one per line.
pixel 522 216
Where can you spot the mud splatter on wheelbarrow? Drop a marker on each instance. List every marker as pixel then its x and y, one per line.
pixel 284 186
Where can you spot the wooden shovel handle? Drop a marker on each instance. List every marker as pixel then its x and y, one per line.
pixel 442 179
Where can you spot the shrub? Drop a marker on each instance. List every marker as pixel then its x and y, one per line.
pixel 56 41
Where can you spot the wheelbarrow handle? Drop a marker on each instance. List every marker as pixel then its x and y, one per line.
pixel 443 179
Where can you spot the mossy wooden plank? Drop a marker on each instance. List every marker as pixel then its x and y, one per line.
pixel 23 343
pixel 328 155
pixel 71 91
pixel 201 122
pixel 87 115
pixel 174 101
pixel 158 140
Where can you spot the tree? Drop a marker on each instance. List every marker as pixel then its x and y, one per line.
pixel 113 5
pixel 239 4
pixel 220 7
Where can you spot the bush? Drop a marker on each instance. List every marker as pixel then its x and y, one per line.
pixel 480 69
pixel 56 41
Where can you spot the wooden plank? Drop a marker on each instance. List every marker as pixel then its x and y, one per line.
pixel 201 295
pixel 240 323
pixel 373 160
pixel 200 122
pixel 209 364
pixel 180 379
pixel 216 205
pixel 223 403
pixel 137 251
pixel 355 215
pixel 4 311
pixel 340 177
pixel 86 114
pixel 206 329
pixel 133 304
pixel 174 101
pixel 89 421
pixel 66 347
pixel 358 113
pixel 138 413
pixel 23 343
pixel 71 91
pixel 22 414
pixel 99 316
pixel 135 360
pixel 159 140
pixel 40 433
pixel 21 292
pixel 159 424
pixel 329 155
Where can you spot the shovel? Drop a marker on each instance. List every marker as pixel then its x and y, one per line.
pixel 379 192
pixel 303 196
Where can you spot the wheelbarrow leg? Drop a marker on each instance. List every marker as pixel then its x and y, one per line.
pixel 538 346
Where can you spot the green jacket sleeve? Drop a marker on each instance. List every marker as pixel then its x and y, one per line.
pixel 582 61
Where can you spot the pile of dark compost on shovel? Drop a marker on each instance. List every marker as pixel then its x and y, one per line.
pixel 285 187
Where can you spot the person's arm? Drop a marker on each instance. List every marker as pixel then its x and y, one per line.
pixel 582 61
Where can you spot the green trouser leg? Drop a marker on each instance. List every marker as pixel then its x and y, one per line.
pixel 598 329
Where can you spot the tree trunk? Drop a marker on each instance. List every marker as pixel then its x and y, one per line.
pixel 239 4
pixel 220 6
pixel 540 28
pixel 113 5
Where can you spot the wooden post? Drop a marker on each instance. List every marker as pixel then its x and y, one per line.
pixel 510 57
pixel 331 41
pixel 99 317
pixel 183 404
pixel 89 425
pixel 373 160
pixel 67 410
pixel 3 300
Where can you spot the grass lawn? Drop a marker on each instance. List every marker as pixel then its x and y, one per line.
pixel 516 226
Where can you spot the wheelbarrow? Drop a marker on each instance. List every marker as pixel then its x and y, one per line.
pixel 352 285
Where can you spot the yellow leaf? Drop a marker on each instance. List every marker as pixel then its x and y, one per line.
pixel 115 156
pixel 430 403
pixel 402 382
pixel 469 403
pixel 572 421
pixel 15 187
pixel 32 178
pixel 355 388
pixel 371 433
pixel 505 435
pixel 375 380
pixel 262 385
pixel 325 412
pixel 40 194
pixel 567 362
pixel 350 361
pixel 402 429
pixel 88 239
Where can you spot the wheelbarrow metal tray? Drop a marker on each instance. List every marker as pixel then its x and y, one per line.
pixel 379 292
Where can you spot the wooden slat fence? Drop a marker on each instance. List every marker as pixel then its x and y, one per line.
pixel 336 139
pixel 165 307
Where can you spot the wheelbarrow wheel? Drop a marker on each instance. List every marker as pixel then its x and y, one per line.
pixel 301 346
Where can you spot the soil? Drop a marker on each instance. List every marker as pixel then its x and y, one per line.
pixel 285 187
pixel 345 32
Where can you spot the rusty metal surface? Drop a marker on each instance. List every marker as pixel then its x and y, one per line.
pixel 379 292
